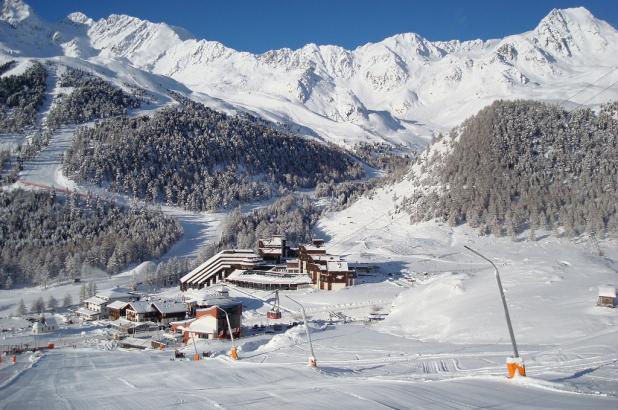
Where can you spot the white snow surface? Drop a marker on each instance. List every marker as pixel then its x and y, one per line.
pixel 402 90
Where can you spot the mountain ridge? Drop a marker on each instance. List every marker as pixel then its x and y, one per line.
pixel 403 90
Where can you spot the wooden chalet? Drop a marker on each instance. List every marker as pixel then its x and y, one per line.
pixel 327 272
pixel 141 312
pixel 169 311
pixel 117 309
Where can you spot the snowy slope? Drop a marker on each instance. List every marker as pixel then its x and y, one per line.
pixel 402 89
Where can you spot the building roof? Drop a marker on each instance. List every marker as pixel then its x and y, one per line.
pixel 141 307
pixel 96 300
pixel 607 291
pixel 118 304
pixel 275 240
pixel 337 266
pixel 86 312
pixel 214 265
pixel 205 324
pixel 170 307
pixel 221 301
pixel 327 257
pixel 116 293
pixel 50 321
pixel 269 277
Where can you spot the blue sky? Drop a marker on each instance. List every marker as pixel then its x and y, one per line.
pixel 260 25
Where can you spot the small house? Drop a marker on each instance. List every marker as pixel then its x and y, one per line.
pixel 607 296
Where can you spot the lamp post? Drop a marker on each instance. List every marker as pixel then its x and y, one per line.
pixel 312 359
pixel 515 362
pixel 233 350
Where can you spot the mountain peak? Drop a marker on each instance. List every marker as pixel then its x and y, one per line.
pixel 80 18
pixel 15 11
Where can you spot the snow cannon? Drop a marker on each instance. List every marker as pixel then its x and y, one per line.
pixel 312 362
pixel 515 366
pixel 234 353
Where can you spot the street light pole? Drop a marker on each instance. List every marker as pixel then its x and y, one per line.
pixel 233 350
pixel 312 359
pixel 516 358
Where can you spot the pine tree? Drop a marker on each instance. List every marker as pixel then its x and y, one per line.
pixel 21 308
pixel 52 303
pixel 67 301
pixel 38 306
pixel 82 293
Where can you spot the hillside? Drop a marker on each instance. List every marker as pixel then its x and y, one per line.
pixel 404 89
pixel 21 96
pixel 45 236
pixel 201 159
pixel 525 165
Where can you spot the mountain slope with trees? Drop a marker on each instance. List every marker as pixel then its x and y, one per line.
pixel 44 236
pixel 91 98
pixel 21 96
pixel 520 165
pixel 192 156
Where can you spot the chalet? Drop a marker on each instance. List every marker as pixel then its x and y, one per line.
pixel 117 309
pixel 93 308
pixel 607 296
pixel 327 272
pixel 141 312
pixel 45 325
pixel 169 311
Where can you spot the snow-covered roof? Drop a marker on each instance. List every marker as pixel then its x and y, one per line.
pixel 86 312
pixel 327 257
pixel 170 307
pixel 118 304
pixel 114 293
pixel 269 277
pixel 275 240
pixel 141 307
pixel 337 266
pixel 607 291
pixel 96 300
pixel 50 321
pixel 205 324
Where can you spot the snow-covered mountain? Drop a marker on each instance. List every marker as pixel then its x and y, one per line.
pixel 400 90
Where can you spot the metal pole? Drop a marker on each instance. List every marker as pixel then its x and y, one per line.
pixel 227 318
pixel 506 310
pixel 233 351
pixel 302 309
